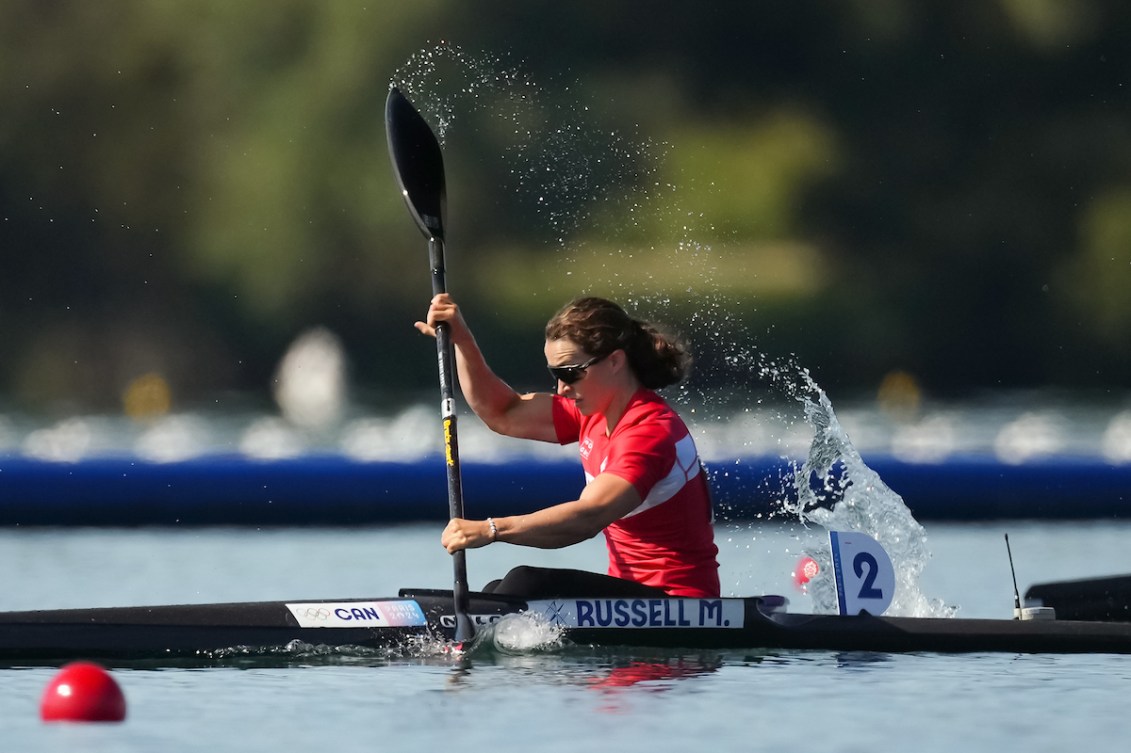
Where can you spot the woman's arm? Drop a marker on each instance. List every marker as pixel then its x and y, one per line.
pixel 604 500
pixel 505 411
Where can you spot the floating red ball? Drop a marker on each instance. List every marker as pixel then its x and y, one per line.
pixel 807 569
pixel 83 692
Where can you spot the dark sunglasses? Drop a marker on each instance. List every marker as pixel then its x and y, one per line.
pixel 572 373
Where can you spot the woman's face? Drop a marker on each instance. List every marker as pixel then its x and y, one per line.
pixel 592 387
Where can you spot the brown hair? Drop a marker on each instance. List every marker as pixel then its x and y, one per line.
pixel 599 327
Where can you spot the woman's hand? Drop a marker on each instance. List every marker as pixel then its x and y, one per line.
pixel 442 309
pixel 465 534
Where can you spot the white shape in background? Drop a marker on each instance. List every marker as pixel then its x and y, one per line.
pixel 414 434
pixel 67 441
pixel 751 433
pixel 418 432
pixel 928 441
pixel 1116 444
pixel 271 439
pixel 310 383
pixel 1030 436
pixel 174 438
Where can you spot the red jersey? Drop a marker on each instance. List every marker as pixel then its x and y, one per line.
pixel 668 541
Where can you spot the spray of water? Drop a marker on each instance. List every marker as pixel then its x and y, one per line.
pixel 572 170
pixel 558 159
pixel 524 633
pixel 837 490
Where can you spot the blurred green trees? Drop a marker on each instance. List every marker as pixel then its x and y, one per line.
pixel 939 187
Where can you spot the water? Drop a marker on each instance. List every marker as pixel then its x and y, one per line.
pixel 570 698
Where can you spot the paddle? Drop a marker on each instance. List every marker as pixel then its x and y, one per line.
pixel 419 167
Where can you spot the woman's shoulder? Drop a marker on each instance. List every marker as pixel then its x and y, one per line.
pixel 649 400
pixel 646 406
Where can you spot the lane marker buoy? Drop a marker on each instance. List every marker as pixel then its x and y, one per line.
pixel 83 692
pixel 806 570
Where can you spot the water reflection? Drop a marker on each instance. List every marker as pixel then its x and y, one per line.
pixel 658 674
pixel 608 674
pixel 861 660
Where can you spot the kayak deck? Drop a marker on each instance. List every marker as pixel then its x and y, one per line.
pixel 209 631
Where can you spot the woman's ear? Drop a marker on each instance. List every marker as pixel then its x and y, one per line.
pixel 619 359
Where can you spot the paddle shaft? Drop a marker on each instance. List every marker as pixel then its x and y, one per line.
pixel 419 166
pixel 465 631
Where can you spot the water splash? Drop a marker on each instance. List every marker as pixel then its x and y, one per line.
pixel 523 633
pixel 836 490
pixel 423 647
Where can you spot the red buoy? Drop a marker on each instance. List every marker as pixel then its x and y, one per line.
pixel 83 692
pixel 807 569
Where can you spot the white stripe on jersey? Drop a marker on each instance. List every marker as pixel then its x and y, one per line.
pixel 685 468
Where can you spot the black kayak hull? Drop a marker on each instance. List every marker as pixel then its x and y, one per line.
pixel 1105 599
pixel 171 632
pixel 206 632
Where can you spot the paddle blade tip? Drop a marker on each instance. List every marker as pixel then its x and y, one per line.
pixel 418 163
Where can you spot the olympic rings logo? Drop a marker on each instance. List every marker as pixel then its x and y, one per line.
pixel 315 613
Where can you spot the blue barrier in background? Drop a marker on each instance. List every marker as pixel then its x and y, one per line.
pixel 335 490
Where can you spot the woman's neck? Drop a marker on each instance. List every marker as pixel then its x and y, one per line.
pixel 617 407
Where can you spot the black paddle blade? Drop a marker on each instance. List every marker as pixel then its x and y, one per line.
pixel 417 162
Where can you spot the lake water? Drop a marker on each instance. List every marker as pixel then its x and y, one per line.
pixel 573 698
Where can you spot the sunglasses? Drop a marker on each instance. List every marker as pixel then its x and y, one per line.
pixel 572 373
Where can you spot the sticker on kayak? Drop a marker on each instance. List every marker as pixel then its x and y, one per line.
pixel 354 614
pixel 641 613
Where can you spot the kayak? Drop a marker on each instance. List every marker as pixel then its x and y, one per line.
pixel 205 632
pixel 1107 598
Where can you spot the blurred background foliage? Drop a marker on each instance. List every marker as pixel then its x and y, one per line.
pixel 938 187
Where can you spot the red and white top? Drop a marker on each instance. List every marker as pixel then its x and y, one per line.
pixel 668 541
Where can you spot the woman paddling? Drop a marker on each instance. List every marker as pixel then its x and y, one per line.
pixel 645 487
